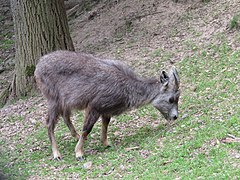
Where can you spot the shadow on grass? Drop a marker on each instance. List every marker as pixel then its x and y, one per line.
pixel 143 135
pixel 93 146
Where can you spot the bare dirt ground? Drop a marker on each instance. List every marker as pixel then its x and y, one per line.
pixel 132 31
pixel 148 35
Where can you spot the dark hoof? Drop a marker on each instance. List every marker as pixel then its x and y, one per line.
pixel 108 146
pixel 58 159
pixel 81 158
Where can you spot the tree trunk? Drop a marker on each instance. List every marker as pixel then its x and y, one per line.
pixel 40 27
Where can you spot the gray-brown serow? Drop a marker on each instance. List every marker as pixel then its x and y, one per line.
pixel 102 87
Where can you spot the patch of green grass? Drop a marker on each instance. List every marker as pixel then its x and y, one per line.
pixel 13 119
pixel 6 44
pixel 161 54
pixel 187 16
pixel 156 53
pixel 192 148
pixel 190 45
pixel 1 17
pixel 10 162
pixel 234 23
pixel 206 1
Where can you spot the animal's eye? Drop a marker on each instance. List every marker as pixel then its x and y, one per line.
pixel 171 100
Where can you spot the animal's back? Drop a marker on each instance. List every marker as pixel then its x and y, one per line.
pixel 66 63
pixel 77 79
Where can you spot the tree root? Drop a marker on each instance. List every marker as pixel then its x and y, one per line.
pixel 5 95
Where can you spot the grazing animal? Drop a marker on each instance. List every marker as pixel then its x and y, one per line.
pixel 102 87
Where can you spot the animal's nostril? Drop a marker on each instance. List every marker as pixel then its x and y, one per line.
pixel 174 117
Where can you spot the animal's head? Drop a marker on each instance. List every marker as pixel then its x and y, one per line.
pixel 167 99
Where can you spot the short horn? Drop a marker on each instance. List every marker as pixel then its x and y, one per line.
pixel 176 77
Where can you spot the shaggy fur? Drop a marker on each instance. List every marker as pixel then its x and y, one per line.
pixel 102 87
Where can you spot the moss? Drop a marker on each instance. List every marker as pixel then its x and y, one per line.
pixel 30 70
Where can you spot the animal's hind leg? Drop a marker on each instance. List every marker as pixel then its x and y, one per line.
pixel 105 122
pixel 51 122
pixel 90 119
pixel 67 120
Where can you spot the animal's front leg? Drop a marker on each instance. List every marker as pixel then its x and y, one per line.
pixel 90 119
pixel 105 122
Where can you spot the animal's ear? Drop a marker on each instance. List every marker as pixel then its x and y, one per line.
pixel 164 78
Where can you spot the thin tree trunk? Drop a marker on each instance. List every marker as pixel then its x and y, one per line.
pixel 40 27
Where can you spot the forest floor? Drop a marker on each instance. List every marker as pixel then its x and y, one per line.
pixel 202 39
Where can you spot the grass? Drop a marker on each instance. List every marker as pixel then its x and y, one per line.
pixel 189 149
pixel 6 44
pixel 234 23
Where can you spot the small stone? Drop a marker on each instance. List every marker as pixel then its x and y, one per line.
pixel 118 176
pixel 87 165
pixel 117 133
pixel 33 121
pixel 184 116
pixel 122 167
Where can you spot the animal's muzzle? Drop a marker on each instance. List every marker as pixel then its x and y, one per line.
pixel 174 117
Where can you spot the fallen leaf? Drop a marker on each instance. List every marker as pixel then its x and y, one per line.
pixel 87 165
pixel 131 148
pixel 230 140
pixel 165 163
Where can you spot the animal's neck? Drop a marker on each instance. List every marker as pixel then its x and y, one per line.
pixel 143 92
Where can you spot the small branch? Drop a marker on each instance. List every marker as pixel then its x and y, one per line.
pixel 131 148
pixel 230 140
pixel 73 11
pixel 231 136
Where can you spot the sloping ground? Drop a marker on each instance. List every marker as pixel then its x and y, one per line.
pixel 149 35
pixel 147 32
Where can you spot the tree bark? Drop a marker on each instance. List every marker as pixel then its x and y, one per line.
pixel 40 27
